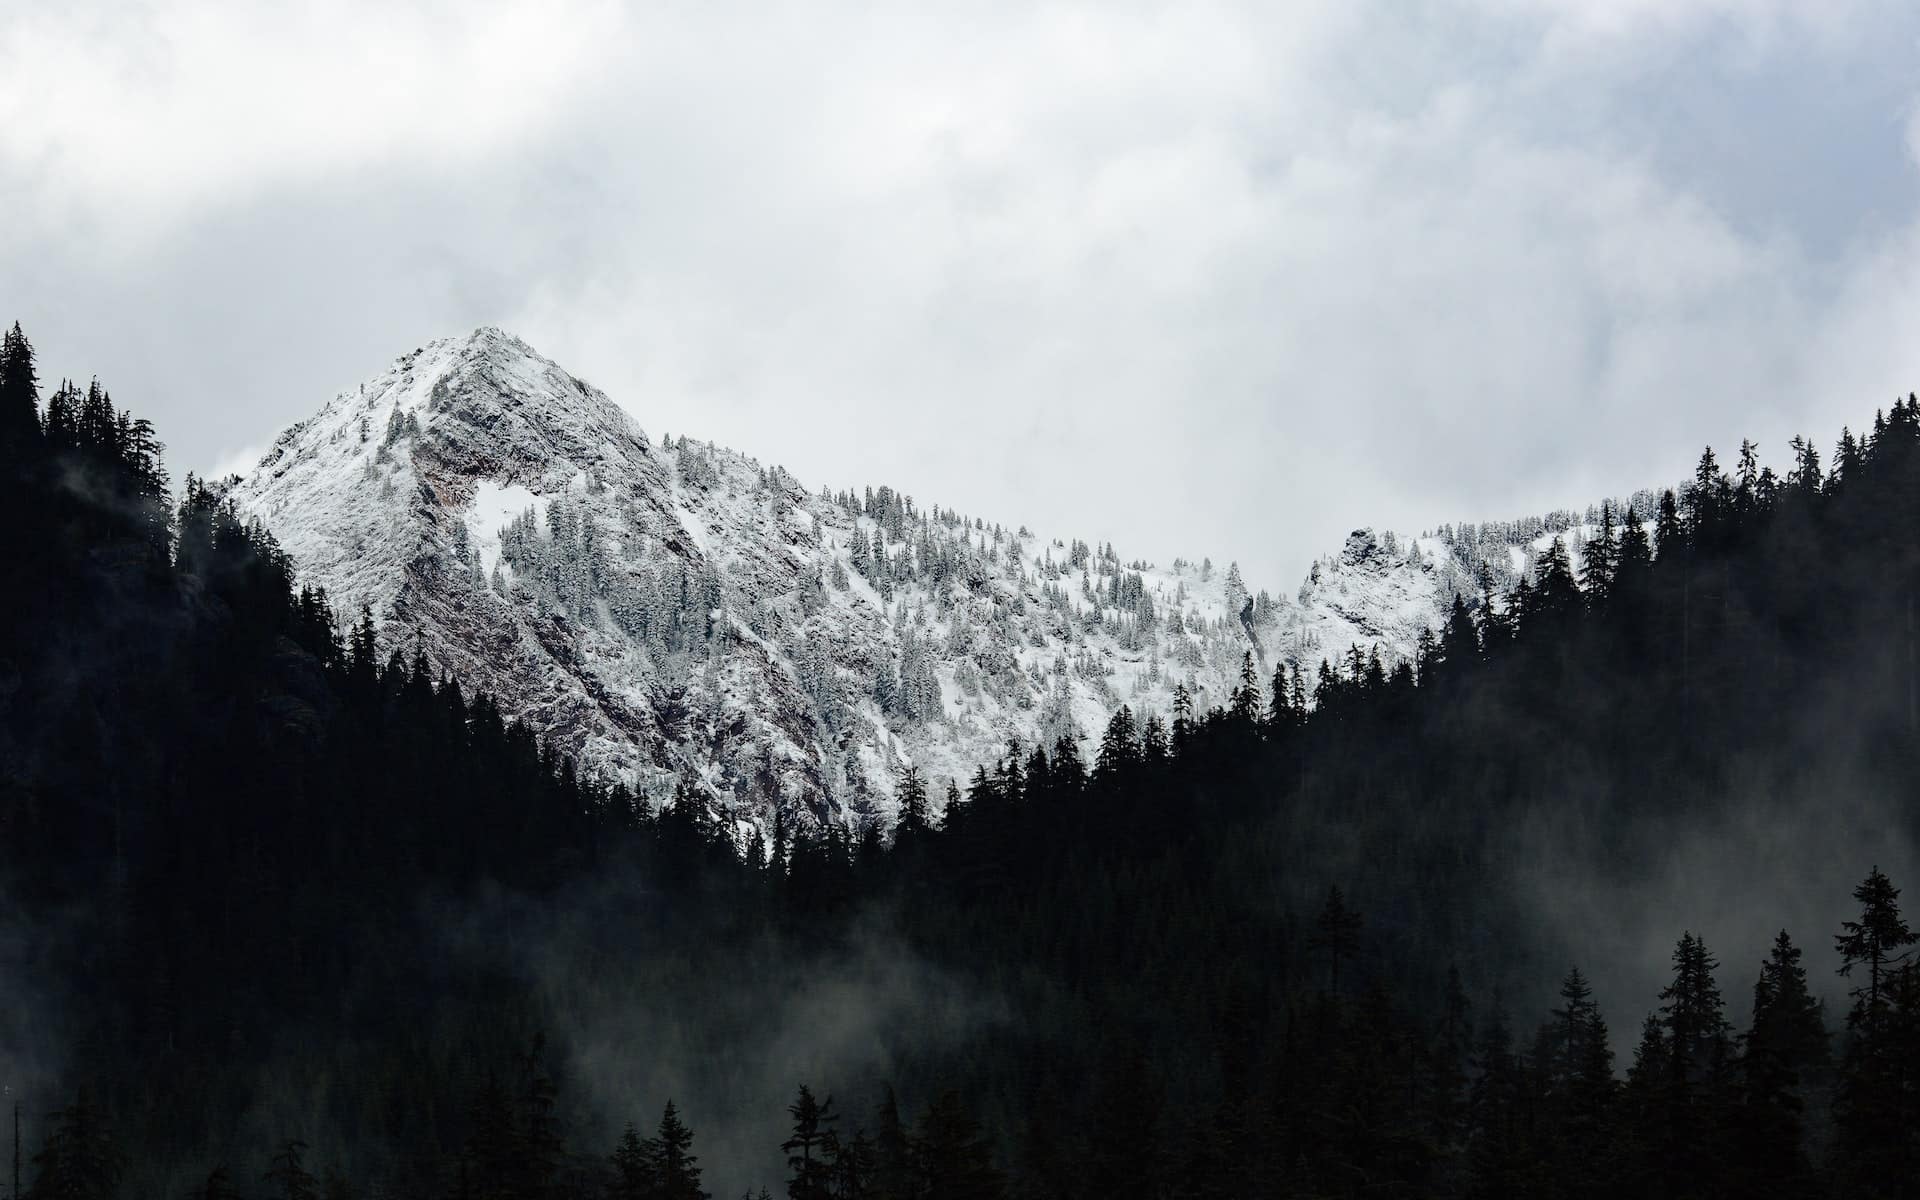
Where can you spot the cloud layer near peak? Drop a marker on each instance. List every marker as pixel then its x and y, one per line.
pixel 1200 278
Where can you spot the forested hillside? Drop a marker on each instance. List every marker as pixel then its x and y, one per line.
pixel 284 911
pixel 673 612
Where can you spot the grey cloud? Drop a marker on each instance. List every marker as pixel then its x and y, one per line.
pixel 1221 280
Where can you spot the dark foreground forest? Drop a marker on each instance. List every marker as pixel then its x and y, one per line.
pixel 284 912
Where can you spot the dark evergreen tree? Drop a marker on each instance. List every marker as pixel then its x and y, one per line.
pixel 1694 1013
pixel 1877 1105
pixel 634 1174
pixel 1877 941
pixel 1785 1052
pixel 19 391
pixel 1669 535
pixel 1555 592
pixel 1182 719
pixel 1697 1089
pixel 1601 559
pixel 1336 933
pixel 809 1149
pixel 1646 1104
pixel 1119 749
pixel 675 1168
pixel 1460 641
pixel 1580 1090
pixel 915 820
pixel 1244 706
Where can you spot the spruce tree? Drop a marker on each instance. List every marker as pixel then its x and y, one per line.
pixel 633 1173
pixel 1694 1013
pixel 1182 718
pixel 1707 500
pixel 1574 1030
pixel 1847 459
pixel 1119 750
pixel 1555 593
pixel 1581 1086
pixel 1459 640
pixel 809 1161
pixel 63 418
pixel 1244 706
pixel 1878 941
pixel 1806 476
pixel 1337 932
pixel 676 1169
pixel 1633 559
pixel 1068 771
pixel 1281 717
pixel 915 820
pixel 1747 477
pixel 19 392
pixel 1699 1065
pixel 1601 560
pixel 1669 536
pixel 1787 1040
pixel 1156 747
pixel 1877 1105
pixel 1786 1043
pixel 1647 1132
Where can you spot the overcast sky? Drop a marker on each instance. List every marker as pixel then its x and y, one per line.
pixel 1201 279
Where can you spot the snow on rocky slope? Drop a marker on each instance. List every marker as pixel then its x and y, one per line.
pixel 681 612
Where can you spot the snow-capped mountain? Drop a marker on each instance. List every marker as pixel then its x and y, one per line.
pixel 680 612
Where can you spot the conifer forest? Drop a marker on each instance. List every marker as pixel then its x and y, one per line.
pixel 289 910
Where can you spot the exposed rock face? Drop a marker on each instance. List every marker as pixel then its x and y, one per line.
pixel 684 613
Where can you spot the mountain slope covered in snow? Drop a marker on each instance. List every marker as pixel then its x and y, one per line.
pixel 676 612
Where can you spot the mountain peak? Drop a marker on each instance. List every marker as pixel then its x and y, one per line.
pixel 488 369
pixel 370 486
pixel 686 618
pixel 481 339
pixel 491 343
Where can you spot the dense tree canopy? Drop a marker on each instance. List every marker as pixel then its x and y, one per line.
pixel 1238 954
